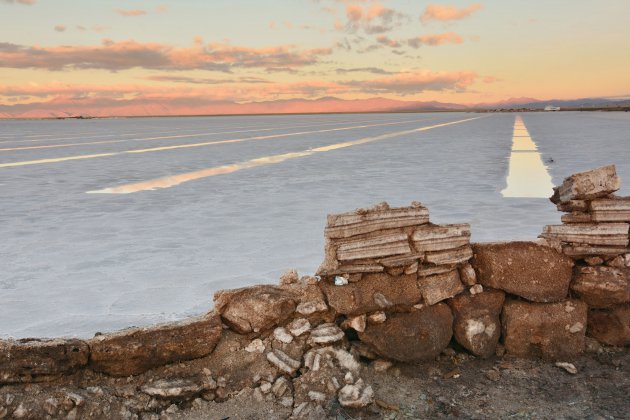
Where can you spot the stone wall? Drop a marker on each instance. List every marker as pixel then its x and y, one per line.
pixel 393 287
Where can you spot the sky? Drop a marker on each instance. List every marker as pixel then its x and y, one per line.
pixel 135 57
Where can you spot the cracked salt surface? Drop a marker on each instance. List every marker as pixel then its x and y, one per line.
pixel 73 263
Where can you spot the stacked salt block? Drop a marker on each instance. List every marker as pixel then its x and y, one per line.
pixel 595 233
pixel 389 271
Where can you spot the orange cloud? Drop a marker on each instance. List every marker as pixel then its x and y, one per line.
pixel 124 55
pixel 131 12
pixel 436 39
pixel 446 13
pixel 60 28
pixel 372 19
pixel 382 39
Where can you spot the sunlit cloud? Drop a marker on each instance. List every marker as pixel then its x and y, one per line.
pixel 373 70
pixel 416 82
pixel 435 40
pixel 25 2
pixel 436 12
pixel 383 39
pixel 124 55
pixel 131 12
pixel 60 28
pixel 371 18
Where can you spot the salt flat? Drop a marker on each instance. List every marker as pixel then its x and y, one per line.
pixel 73 263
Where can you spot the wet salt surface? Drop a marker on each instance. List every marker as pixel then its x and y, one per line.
pixel 73 263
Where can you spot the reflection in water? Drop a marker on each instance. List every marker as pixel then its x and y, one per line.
pixel 528 175
pixel 171 181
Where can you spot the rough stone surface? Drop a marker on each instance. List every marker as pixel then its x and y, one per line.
pixel 537 273
pixel 596 183
pixel 610 327
pixel 33 360
pixel 136 350
pixel 467 274
pixel 440 287
pixel 476 324
pixel 412 336
pixel 256 308
pixel 373 293
pixel 549 330
pixel 602 287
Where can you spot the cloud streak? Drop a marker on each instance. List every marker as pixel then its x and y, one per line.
pixel 435 40
pixel 416 82
pixel 123 55
pixel 436 12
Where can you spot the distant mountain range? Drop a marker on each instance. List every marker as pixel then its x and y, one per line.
pixel 290 106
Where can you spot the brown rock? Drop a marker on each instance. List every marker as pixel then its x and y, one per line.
pixel 437 288
pixel 582 251
pixel 549 330
pixel 256 308
pixel 441 237
pixel 573 205
pixel 451 256
pixel 611 210
pixel 610 327
pixel 467 275
pixel 34 360
pixel 535 272
pixel 373 293
pixel 384 245
pixel 576 217
pixel 605 234
pixel 136 350
pixel 411 336
pixel 594 260
pixel 476 325
pixel 602 287
pixel 596 183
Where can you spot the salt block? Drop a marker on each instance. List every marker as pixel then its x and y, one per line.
pixel 411 336
pixel 136 350
pixel 437 288
pixel 549 330
pixel 610 327
pixel 535 272
pixel 477 326
pixel 35 360
pixel 602 287
pixel 587 185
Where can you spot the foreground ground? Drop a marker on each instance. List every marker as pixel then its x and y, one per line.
pixel 457 385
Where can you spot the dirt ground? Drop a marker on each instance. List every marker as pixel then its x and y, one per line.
pixel 461 386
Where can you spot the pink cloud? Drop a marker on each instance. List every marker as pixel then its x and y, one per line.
pixel 124 55
pixel 372 19
pixel 382 39
pixel 25 2
pixel 435 40
pixel 447 13
pixel 60 28
pixel 131 12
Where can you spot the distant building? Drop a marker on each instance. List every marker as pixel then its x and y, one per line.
pixel 552 108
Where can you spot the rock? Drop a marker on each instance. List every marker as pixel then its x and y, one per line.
pixel 450 256
pixel 594 261
pixel 426 270
pixel 20 412
pixel 573 206
pixel 535 272
pixel 602 287
pixel 583 251
pixel 476 324
pixel 256 346
pixel 548 330
pixel 299 326
pixel 281 387
pixel 437 288
pixel 281 334
pixel 611 326
pixel 326 334
pixel 476 289
pixel 467 275
pixel 576 217
pixel 176 389
pixel 51 405
pixel 356 395
pixel 378 246
pixel 289 277
pixel 627 260
pixel 256 308
pixel 136 350
pixel 357 323
pixel 35 360
pixel 588 185
pixel 283 362
pixel 377 317
pixel 412 336
pixel 569 367
pixel 493 375
pixel 611 210
pixel 617 262
pixel 374 292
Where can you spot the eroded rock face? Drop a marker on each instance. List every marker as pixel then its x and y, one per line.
pixel 549 330
pixel 136 350
pixel 437 288
pixel 476 325
pixel 256 308
pixel 535 272
pixel 602 287
pixel 33 360
pixel 374 292
pixel 411 336
pixel 610 327
pixel 596 183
